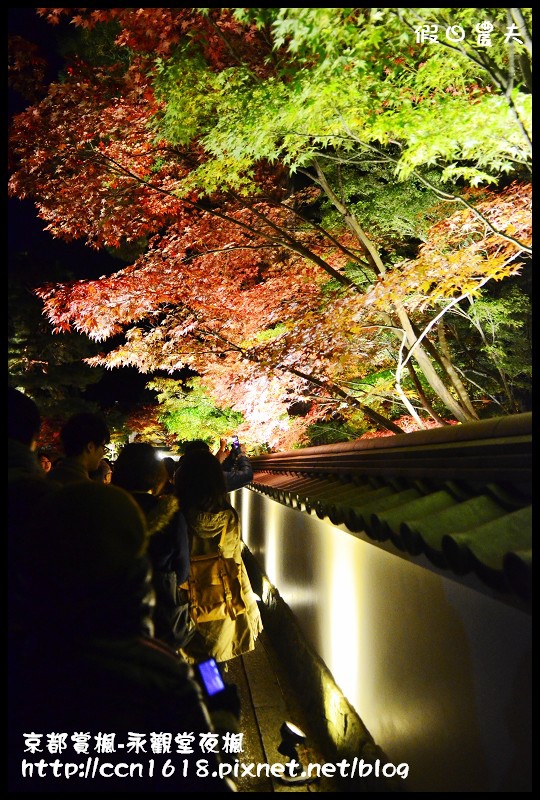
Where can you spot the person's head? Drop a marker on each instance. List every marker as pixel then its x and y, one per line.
pixel 200 483
pixel 103 473
pixel 85 436
pixel 44 460
pixel 138 468
pixel 24 419
pixel 89 540
pixel 195 445
pixel 170 465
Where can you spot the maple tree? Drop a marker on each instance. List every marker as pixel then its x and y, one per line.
pixel 230 148
pixel 51 369
pixel 188 412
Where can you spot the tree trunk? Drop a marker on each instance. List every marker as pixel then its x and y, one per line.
pixel 419 354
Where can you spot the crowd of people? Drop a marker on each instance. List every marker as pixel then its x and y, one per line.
pixel 101 642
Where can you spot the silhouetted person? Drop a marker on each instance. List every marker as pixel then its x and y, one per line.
pixel 170 465
pixel 86 666
pixel 103 473
pixel 27 484
pixel 140 471
pixel 24 423
pixel 84 437
pixel 235 464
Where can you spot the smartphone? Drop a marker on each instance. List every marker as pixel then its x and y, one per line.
pixel 235 443
pixel 210 677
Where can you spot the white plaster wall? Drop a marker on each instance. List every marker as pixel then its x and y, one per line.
pixel 438 671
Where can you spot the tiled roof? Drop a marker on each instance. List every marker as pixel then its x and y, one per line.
pixel 461 495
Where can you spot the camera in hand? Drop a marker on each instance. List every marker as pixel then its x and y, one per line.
pixel 235 444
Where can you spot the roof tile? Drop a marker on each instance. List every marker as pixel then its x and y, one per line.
pixel 460 495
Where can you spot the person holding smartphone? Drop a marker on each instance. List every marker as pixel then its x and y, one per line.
pixel 235 464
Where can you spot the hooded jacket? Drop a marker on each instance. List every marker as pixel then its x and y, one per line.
pixel 228 638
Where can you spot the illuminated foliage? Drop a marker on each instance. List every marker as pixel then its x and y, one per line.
pixel 243 145
pixel 51 369
pixel 188 412
pixel 145 426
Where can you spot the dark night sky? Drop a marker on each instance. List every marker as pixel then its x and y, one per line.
pixel 26 233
